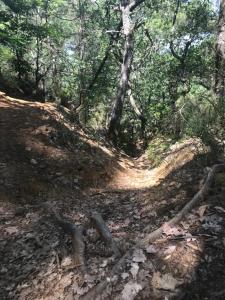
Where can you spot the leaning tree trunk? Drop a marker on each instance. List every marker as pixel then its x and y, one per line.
pixel 116 114
pixel 137 111
pixel 220 54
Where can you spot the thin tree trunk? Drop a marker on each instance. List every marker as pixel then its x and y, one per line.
pixel 113 38
pixel 137 111
pixel 81 92
pixel 220 54
pixel 37 70
pixel 18 65
pixel 105 58
pixel 116 114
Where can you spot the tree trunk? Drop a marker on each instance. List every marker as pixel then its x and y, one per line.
pixel 137 111
pixel 37 70
pixel 220 53
pixel 116 114
pixel 19 65
pixel 81 108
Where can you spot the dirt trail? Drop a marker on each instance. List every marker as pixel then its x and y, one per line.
pixel 31 142
pixel 45 157
pixel 138 177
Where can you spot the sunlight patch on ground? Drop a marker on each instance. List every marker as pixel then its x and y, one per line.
pixel 139 179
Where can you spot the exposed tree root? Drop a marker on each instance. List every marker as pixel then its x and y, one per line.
pixel 76 234
pixel 104 232
pixel 151 237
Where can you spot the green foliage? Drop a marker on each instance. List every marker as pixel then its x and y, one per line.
pixel 203 117
pixel 157 149
pixel 52 50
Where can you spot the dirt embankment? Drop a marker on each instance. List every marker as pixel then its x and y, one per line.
pixel 43 154
pixel 44 157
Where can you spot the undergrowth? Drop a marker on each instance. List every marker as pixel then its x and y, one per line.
pixel 157 148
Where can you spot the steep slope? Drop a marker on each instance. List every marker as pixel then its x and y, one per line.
pixel 43 154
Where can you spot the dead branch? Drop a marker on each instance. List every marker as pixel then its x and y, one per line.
pixel 151 237
pixel 104 232
pixel 188 207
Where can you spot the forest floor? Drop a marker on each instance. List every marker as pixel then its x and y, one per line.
pixel 46 158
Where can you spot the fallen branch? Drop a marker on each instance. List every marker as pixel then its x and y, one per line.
pixel 151 237
pixel 188 207
pixel 104 232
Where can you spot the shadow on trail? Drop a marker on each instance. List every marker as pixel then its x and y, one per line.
pixel 133 210
pixel 41 160
pixel 39 153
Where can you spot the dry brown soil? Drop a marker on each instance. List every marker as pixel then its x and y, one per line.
pixel 46 157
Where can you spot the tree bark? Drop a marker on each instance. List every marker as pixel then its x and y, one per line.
pixel 104 232
pixel 116 114
pixel 37 69
pixel 82 112
pixel 220 54
pixel 137 111
pixel 105 58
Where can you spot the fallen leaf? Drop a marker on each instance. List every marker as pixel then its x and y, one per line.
pixel 139 256
pixel 124 275
pixel 170 249
pixel 151 249
pixel 194 247
pixel 164 282
pixel 185 225
pixel 104 264
pixel 11 230
pixel 134 270
pixel 130 291
pixel 89 278
pixel 167 257
pixel 67 261
pixel 201 210
pixel 171 230
pixel 143 274
pixel 126 222
pixel 82 290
